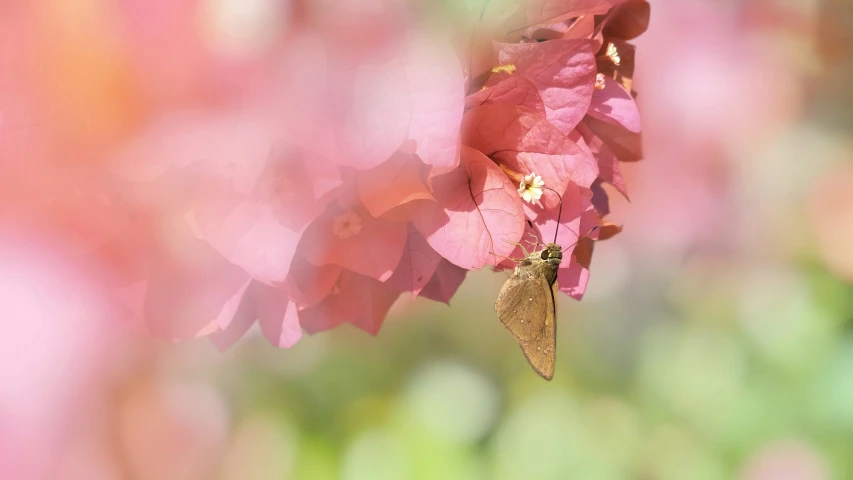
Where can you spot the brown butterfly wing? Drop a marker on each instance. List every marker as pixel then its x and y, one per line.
pixel 526 308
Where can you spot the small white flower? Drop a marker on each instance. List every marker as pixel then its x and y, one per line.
pixel 599 81
pixel 613 54
pixel 346 225
pixel 530 188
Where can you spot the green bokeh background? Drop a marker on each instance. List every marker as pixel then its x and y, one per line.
pixel 666 382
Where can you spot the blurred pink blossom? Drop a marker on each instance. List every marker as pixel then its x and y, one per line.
pixel 303 167
pixel 831 213
pixel 56 328
pixel 785 460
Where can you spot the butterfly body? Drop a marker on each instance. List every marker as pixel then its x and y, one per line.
pixel 527 307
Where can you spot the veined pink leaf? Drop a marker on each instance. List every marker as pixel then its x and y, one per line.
pixel 527 143
pixel 477 210
pixel 563 71
pixel 513 90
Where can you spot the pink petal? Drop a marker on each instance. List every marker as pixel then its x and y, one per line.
pixel 241 320
pixel 89 211
pixel 377 120
pixel 544 12
pixel 629 20
pixel 274 312
pixel 444 283
pixel 296 183
pixel 306 99
pixel 563 71
pixel 582 27
pixel 417 265
pixel 537 12
pixel 525 143
pixel 358 27
pixel 374 251
pixel 514 90
pixel 437 88
pixel 623 143
pixel 125 260
pixel 251 237
pixel 277 316
pixel 226 145
pixel 230 309
pixel 359 300
pixel 477 211
pixel 132 299
pixel 577 218
pixel 478 42
pixel 600 200
pixel 255 219
pixel 608 164
pixel 400 179
pixel 323 316
pixel 164 78
pixel 573 278
pixel 189 289
pixel 374 307
pixel 308 284
pixel 359 107
pixel 614 104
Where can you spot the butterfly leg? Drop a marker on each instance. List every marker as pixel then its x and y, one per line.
pixel 534 244
pixel 524 250
pixel 533 234
pixel 508 258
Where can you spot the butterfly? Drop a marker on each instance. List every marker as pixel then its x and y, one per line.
pixel 527 307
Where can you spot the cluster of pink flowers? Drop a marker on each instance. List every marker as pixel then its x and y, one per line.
pixel 366 154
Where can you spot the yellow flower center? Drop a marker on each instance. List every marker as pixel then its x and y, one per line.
pixel 510 69
pixel 346 225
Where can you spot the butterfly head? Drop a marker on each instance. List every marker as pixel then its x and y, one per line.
pixel 552 254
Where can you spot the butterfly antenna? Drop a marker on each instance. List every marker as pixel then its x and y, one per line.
pixel 559 212
pixel 581 238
